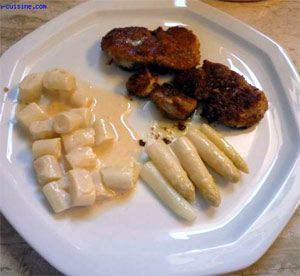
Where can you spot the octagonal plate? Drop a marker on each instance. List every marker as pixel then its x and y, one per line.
pixel 140 236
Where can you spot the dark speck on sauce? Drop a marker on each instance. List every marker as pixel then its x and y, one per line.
pixel 181 126
pixel 142 143
pixel 166 140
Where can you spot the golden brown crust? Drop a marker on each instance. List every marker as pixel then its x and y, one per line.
pixel 232 100
pixel 133 44
pixel 172 102
pixel 176 48
pixel 141 83
pixel 227 97
pixel 192 82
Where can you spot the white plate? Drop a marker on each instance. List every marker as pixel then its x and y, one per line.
pixel 140 236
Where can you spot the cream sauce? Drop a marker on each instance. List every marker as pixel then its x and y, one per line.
pixel 114 108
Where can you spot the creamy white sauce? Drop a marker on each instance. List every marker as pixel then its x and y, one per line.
pixel 114 108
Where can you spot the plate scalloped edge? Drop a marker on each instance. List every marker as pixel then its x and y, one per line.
pixel 261 234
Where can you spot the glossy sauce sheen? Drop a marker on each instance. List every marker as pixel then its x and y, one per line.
pixel 112 107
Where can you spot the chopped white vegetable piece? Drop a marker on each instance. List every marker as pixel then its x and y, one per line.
pixel 85 115
pixel 213 156
pixel 42 129
pixel 102 192
pixel 80 100
pixel 82 188
pixel 31 113
pixel 47 169
pixel 120 178
pixel 153 178
pixel 57 196
pixel 47 147
pixel 31 88
pixel 196 170
pixel 66 122
pixel 83 158
pixel 79 138
pixel 64 182
pixel 104 133
pixel 168 164
pixel 59 82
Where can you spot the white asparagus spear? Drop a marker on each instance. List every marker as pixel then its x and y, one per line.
pixel 196 170
pixel 168 164
pixel 224 146
pixel 166 193
pixel 213 156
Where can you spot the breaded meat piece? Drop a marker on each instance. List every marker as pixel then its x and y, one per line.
pixel 192 82
pixel 141 83
pixel 231 99
pixel 172 103
pixel 130 47
pixel 177 48
pixel 227 97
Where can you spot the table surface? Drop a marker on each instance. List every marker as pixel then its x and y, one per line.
pixel 279 19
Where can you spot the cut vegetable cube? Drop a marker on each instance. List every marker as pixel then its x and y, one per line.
pixel 66 122
pixel 31 88
pixel 47 169
pixel 120 178
pixel 83 158
pixel 104 133
pixel 85 115
pixel 57 196
pixel 80 138
pixel 42 129
pixel 59 82
pixel 31 113
pixel 47 147
pixel 82 188
pixel 79 100
pixel 102 192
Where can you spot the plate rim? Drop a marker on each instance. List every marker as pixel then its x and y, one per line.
pixel 291 198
